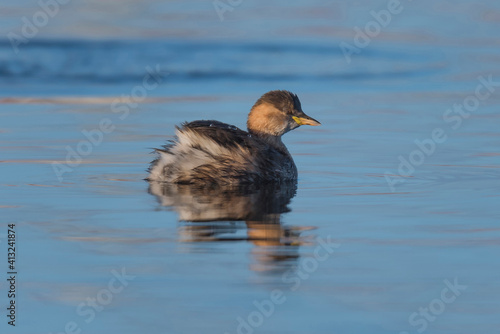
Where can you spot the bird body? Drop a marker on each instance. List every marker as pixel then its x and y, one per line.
pixel 212 152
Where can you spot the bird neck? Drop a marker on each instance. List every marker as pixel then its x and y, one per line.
pixel 273 141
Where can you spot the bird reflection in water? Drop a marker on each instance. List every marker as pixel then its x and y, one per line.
pixel 217 214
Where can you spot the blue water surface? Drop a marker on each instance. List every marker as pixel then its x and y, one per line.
pixel 412 222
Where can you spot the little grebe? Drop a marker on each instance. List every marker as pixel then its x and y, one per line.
pixel 212 152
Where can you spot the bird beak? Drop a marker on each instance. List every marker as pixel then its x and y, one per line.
pixel 306 120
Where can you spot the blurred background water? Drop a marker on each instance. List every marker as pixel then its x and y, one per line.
pixel 395 247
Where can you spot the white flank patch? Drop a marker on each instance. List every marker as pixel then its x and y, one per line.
pixel 156 174
pixel 184 156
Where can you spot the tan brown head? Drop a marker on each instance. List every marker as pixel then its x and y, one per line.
pixel 276 113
